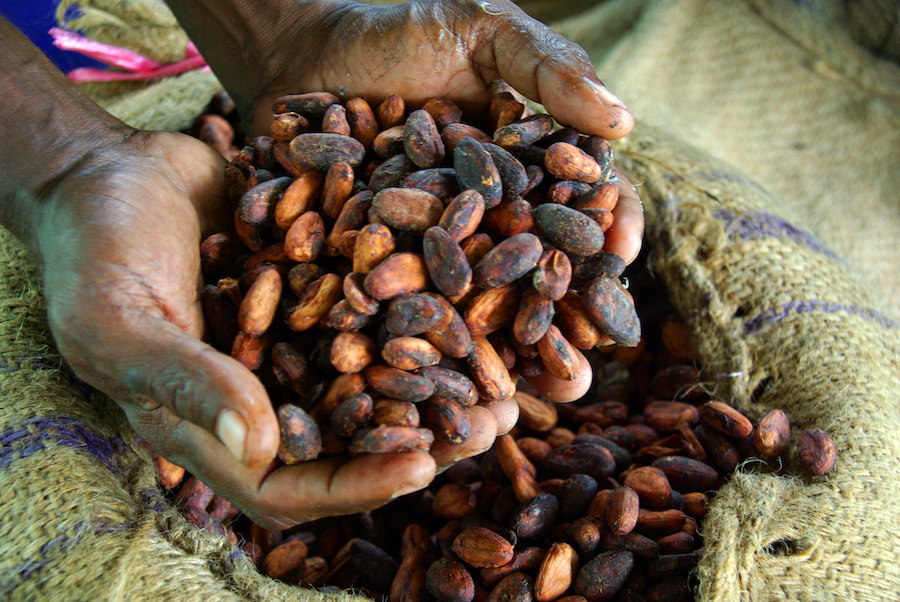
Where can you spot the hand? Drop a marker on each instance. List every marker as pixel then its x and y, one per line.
pixel 431 48
pixel 118 239
pixel 424 49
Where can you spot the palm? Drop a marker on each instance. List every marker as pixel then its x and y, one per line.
pixel 120 254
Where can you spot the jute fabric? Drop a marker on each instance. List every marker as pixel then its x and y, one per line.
pixel 773 223
pixel 82 516
pixel 778 320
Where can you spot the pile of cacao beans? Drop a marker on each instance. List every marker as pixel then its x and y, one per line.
pixel 390 268
pixel 599 499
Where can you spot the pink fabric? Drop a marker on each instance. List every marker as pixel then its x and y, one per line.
pixel 134 66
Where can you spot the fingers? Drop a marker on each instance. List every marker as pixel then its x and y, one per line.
pixel 287 495
pixel 556 389
pixel 335 486
pixel 483 433
pixel 625 235
pixel 551 70
pixel 506 413
pixel 197 384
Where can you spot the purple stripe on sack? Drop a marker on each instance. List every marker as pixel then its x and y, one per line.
pixel 755 225
pixel 152 499
pixel 772 316
pixel 24 570
pixel 57 545
pixel 33 434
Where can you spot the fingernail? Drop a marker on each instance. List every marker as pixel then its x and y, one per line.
pixel 607 97
pixel 232 432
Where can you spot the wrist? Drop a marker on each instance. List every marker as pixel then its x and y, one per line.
pixel 49 129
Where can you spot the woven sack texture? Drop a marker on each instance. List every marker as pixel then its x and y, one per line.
pixel 150 28
pixel 777 319
pixel 82 516
pixel 802 97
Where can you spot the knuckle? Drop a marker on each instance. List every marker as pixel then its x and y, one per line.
pixel 172 387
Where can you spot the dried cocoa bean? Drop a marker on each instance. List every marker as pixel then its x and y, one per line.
pixel 389 142
pixel 391 439
pixel 407 209
pixel 725 419
pixel 772 435
pixel 816 451
pixel 448 420
pixel 557 572
pixel 300 436
pixel 569 230
pixel 621 510
pixel 391 111
pixel 509 218
pixel 522 134
pixel 393 412
pixel 399 274
pixel 421 139
pixel 612 309
pixel 603 576
pixel 439 181
pixel 451 385
pixel 651 485
pixel 508 261
pixel 316 301
pixel 447 264
pixel 352 414
pixel 410 353
pixel 492 309
pixel 449 581
pixel 505 109
pixel 334 121
pixel 568 162
pixel 482 548
pixel 475 170
pixel 361 118
pixel 398 384
pixel 488 372
pixel 306 238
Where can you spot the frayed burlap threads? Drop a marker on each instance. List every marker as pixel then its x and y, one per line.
pixel 778 320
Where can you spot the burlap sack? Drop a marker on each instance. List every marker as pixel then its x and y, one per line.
pixel 147 27
pixel 784 92
pixel 778 320
pixel 776 317
pixel 81 517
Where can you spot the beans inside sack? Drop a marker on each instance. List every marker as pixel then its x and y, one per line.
pixel 380 292
pixel 390 268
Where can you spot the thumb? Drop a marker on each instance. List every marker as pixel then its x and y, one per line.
pixel 554 71
pixel 198 384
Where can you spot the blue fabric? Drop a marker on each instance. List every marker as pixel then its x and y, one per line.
pixel 34 18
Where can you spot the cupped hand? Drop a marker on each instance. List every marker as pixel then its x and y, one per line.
pixel 118 241
pixel 434 48
pixel 452 49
